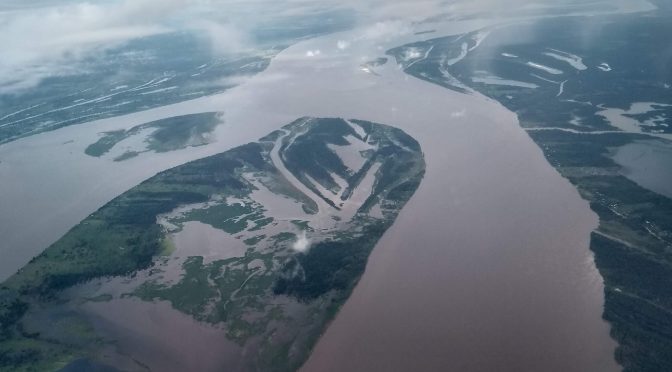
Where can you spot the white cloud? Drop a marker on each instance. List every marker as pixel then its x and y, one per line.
pixel 302 243
pixel 386 30
pixel 411 54
pixel 458 114
pixel 343 44
pixel 41 38
pixel 49 40
pixel 224 38
pixel 268 78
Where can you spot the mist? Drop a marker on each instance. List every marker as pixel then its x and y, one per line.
pixel 40 40
pixel 49 38
pixel 302 243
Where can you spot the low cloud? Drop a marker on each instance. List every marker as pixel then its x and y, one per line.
pixel 42 38
pixel 458 114
pixel 38 42
pixel 386 30
pixel 224 38
pixel 302 243
pixel 343 44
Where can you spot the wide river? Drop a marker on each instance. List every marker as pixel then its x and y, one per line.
pixel 486 269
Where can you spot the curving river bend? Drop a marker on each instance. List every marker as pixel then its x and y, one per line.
pixel 487 267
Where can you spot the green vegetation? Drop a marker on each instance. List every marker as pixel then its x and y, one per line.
pixel 337 265
pixel 230 218
pixel 169 135
pixel 637 304
pixel 584 93
pixel 273 301
pixel 106 143
pixel 154 71
pixel 120 238
pixel 283 237
pixel 101 298
pixel 323 161
pixel 167 247
pixel 254 240
pixel 633 244
pixel 176 67
pixel 396 151
pixel 190 295
pixel 181 131
pixel 127 155
pixel 329 266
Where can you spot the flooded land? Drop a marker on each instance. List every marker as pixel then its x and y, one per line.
pixel 604 123
pixel 190 252
pixel 488 266
pixel 648 164
pixel 159 337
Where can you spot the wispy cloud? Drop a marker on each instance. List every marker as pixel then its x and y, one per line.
pixel 42 38
pixel 302 243
pixel 458 114
pixel 38 42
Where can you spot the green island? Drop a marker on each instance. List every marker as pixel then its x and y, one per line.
pixel 573 99
pixel 166 135
pixel 292 238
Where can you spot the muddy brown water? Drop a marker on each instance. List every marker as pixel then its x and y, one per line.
pixel 486 269
pixel 161 338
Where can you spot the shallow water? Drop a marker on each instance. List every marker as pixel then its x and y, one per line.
pixel 617 118
pixel 199 239
pixel 648 163
pixel 161 338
